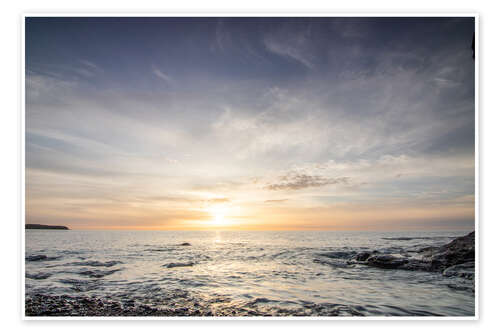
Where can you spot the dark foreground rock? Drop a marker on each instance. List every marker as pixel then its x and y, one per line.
pixel 45 227
pixel 459 251
pixel 453 259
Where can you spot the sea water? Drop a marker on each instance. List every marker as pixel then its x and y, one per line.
pixel 273 272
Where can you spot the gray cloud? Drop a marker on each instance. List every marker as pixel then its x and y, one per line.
pixel 297 181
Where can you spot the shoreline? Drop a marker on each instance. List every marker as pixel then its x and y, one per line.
pixel 88 306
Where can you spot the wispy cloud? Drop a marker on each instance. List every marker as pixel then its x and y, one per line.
pixel 222 35
pixel 295 42
pixel 286 48
pixel 297 181
pixel 276 201
pixel 162 75
pixel 89 64
pixel 218 200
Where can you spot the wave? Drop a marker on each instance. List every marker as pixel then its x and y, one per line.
pixel 38 276
pixel 97 273
pixel 334 263
pixel 412 238
pixel 95 263
pixel 80 285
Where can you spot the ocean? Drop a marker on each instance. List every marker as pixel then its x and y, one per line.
pixel 244 273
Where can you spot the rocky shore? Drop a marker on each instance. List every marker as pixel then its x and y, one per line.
pixel 178 305
pixel 456 258
pixel 82 306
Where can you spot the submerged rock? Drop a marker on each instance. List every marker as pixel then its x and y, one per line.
pixel 178 264
pixel 36 257
pixel 40 257
pixel 465 270
pixel 385 261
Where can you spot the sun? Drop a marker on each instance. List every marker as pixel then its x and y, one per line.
pixel 219 215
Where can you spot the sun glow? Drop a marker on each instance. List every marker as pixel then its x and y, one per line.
pixel 219 215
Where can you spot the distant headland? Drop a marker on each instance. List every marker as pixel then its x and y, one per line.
pixel 43 226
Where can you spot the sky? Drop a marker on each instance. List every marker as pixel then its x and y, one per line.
pixel 250 123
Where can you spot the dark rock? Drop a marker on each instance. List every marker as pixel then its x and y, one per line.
pixel 185 244
pixel 466 270
pixel 362 256
pixel 417 265
pixel 434 258
pixel 459 251
pixel 178 264
pixel 36 257
pixel 428 250
pixel 386 261
pixel 41 257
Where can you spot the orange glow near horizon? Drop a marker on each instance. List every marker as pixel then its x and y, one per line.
pixel 225 216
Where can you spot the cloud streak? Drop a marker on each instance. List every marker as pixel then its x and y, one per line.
pixel 162 75
pixel 296 181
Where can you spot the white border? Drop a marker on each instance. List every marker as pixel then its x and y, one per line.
pixel 23 168
pixel 267 13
